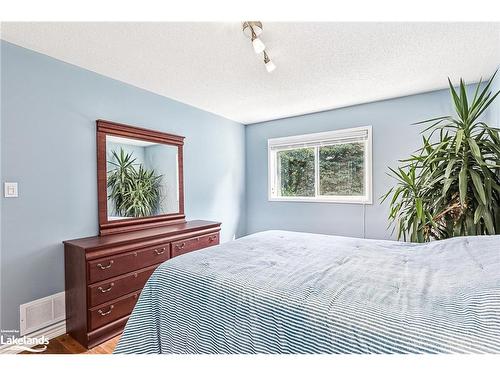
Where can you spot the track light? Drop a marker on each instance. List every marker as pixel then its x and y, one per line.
pixel 253 29
pixel 268 63
pixel 258 46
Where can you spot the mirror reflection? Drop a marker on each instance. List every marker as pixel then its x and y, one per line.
pixel 142 178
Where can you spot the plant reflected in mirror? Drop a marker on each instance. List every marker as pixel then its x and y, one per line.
pixel 134 190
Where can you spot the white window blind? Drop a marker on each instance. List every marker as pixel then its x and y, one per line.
pixel 319 139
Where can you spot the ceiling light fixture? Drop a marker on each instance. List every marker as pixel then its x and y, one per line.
pixel 258 46
pixel 270 66
pixel 253 29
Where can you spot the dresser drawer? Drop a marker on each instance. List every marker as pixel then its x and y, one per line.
pixel 106 313
pixel 104 268
pixel 194 243
pixel 118 286
pixel 153 255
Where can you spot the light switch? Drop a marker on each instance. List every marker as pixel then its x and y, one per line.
pixel 10 190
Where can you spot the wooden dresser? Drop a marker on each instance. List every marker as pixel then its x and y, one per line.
pixel 105 274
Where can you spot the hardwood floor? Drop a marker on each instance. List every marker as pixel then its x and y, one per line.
pixel 65 344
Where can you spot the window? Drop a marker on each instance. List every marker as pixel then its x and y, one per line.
pixel 322 167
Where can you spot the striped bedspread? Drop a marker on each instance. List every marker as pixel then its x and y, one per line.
pixel 287 292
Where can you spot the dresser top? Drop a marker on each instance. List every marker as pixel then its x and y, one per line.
pixel 138 235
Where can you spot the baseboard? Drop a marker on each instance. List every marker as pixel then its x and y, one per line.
pixel 50 332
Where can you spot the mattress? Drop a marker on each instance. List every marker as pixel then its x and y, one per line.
pixel 297 293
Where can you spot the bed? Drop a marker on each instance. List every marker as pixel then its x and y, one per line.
pixel 289 292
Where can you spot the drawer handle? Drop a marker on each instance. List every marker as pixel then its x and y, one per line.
pixel 212 238
pixel 102 313
pixel 105 267
pixel 159 252
pixel 181 246
pixel 108 289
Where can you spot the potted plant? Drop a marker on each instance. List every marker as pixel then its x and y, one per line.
pixel 451 186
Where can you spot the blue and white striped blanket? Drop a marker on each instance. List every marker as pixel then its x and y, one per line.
pixel 287 292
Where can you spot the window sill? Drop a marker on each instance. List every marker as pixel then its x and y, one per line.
pixel 348 200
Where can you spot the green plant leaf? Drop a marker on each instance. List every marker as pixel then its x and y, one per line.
pixel 476 152
pixel 459 138
pixel 478 86
pixel 488 221
pixel 420 210
pixel 478 184
pixel 449 167
pixel 447 184
pixel 462 184
pixel 463 98
pixel 456 100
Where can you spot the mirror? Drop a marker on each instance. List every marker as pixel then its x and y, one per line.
pixel 139 178
pixel 142 178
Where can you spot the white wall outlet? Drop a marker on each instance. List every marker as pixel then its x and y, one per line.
pixel 10 190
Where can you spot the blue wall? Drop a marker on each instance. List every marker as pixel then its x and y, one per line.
pixel 393 138
pixel 48 118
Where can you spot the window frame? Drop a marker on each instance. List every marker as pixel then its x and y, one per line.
pixel 301 141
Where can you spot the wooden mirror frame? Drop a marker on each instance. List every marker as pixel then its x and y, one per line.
pixel 106 226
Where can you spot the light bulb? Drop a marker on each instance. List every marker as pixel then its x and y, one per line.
pixel 270 66
pixel 258 46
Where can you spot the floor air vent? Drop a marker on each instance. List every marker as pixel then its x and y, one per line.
pixel 42 313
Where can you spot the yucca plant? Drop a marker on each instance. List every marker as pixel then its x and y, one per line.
pixel 142 197
pixel 135 192
pixel 118 177
pixel 451 186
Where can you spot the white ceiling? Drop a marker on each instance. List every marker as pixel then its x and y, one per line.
pixel 320 66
